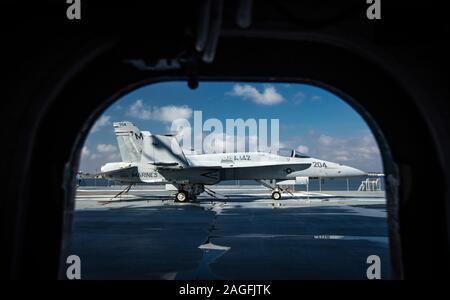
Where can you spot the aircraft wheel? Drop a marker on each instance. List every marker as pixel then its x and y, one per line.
pixel 181 196
pixel 276 195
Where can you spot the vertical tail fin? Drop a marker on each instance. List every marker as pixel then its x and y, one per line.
pixel 162 150
pixel 130 139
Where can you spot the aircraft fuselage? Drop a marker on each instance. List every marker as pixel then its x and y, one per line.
pixel 235 166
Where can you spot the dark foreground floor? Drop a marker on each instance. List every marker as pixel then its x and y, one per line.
pixel 240 241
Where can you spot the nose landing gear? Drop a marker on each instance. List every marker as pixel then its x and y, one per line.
pixel 276 195
pixel 276 189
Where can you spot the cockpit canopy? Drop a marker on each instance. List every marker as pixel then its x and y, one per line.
pixel 291 153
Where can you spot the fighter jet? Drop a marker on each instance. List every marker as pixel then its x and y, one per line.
pixel 158 159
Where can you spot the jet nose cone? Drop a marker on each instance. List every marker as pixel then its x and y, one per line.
pixel 354 172
pixel 358 172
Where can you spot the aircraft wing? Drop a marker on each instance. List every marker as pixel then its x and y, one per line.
pixel 261 172
pixel 192 174
pixel 214 174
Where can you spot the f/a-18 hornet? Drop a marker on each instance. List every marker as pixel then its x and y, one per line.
pixel 158 159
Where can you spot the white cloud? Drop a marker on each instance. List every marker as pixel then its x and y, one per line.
pixel 85 151
pixel 105 148
pixel 170 113
pixel 325 140
pixel 358 151
pixel 102 122
pixel 269 96
pixel 303 149
pixel 94 156
pixel 113 156
pixel 342 158
pixel 164 113
pixel 298 98
pixel 92 160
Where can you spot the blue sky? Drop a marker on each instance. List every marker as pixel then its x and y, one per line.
pixel 312 119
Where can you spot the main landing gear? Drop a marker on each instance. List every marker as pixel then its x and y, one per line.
pixel 188 192
pixel 181 196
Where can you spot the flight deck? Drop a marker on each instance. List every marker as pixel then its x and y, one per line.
pixel 242 233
